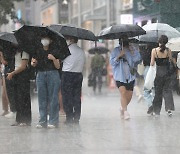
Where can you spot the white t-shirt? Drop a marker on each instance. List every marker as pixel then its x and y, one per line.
pixel 18 58
pixel 74 62
pixel 178 60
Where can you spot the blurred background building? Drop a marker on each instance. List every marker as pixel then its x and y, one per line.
pixel 94 14
pixel 152 11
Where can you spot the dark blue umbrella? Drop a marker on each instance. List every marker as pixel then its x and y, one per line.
pixel 118 31
pixel 7 40
pixel 69 30
pixel 29 39
pixel 100 50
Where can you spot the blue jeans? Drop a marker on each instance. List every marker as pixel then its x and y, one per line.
pixel 48 84
pixel 148 94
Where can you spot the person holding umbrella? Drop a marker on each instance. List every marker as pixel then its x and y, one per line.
pixel 48 83
pixel 122 60
pixel 5 100
pixel 9 45
pixel 72 80
pixel 97 65
pixel 46 47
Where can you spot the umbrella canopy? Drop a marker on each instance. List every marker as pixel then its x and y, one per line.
pixel 100 50
pixel 29 39
pixel 7 40
pixel 69 30
pixel 117 31
pixel 155 30
pixel 174 44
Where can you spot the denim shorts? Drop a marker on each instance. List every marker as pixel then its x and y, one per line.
pixel 128 86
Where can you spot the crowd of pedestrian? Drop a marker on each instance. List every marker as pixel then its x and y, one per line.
pixel 59 82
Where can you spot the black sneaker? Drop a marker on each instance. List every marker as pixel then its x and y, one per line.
pixel 15 124
pixel 150 110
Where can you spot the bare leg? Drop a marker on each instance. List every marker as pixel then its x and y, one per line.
pixel 5 100
pixel 61 103
pixel 129 96
pixel 124 99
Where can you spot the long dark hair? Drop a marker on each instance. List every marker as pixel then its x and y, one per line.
pixel 163 40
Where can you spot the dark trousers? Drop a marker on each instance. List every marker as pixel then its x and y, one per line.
pixel 22 99
pixel 162 90
pixel 97 78
pixel 11 94
pixel 71 94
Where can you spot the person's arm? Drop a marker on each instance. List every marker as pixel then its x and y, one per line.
pixel 55 61
pixel 33 62
pixel 114 59
pixel 170 54
pixel 23 66
pixel 3 61
pixel 122 53
pixel 136 57
pixel 152 57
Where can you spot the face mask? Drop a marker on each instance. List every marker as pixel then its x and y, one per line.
pixel 68 42
pixel 45 42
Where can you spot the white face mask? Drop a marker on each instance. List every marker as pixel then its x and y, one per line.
pixel 68 42
pixel 45 42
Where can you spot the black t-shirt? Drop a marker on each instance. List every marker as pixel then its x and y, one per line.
pixel 44 64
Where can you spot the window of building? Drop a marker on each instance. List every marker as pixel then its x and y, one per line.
pixel 85 5
pixel 74 7
pixel 99 3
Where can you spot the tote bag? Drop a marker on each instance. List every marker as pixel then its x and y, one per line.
pixel 140 68
pixel 178 60
pixel 150 77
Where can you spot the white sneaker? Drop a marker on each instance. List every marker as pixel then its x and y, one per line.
pixel 11 115
pixel 39 126
pixel 121 113
pixel 126 115
pixel 51 126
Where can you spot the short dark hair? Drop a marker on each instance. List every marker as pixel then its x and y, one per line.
pixel 72 37
pixel 75 39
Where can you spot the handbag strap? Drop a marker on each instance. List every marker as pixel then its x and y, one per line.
pixel 124 59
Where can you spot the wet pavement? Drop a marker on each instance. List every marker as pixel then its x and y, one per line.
pixel 101 130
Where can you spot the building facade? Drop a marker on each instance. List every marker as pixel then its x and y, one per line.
pixel 152 11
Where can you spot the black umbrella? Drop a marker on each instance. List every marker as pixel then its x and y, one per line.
pixel 29 39
pixel 118 31
pixel 100 50
pixel 7 40
pixel 69 30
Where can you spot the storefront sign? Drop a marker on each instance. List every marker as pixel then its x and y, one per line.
pixel 127 4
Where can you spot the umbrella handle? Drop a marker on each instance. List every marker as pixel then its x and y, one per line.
pixel 95 43
pixel 121 44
